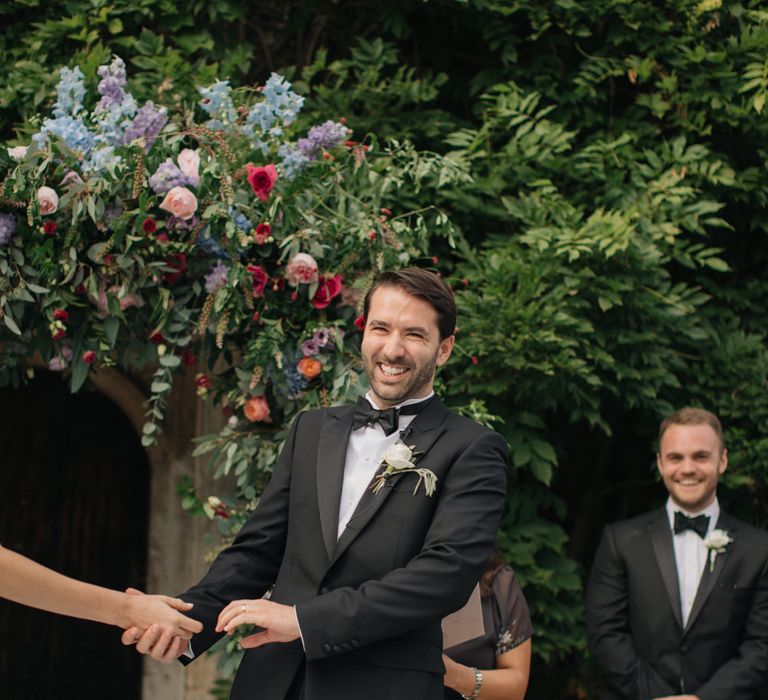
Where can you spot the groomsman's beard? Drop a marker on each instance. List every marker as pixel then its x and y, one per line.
pixel 417 384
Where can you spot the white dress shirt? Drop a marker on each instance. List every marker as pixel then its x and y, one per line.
pixel 691 554
pixel 364 452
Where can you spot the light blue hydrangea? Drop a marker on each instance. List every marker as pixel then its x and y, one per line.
pixel 241 220
pixel 101 159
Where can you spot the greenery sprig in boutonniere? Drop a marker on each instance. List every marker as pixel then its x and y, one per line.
pixel 716 542
pixel 398 460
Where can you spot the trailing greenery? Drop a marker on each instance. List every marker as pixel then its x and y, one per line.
pixel 612 260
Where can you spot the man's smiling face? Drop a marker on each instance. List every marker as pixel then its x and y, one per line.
pixel 691 459
pixel 401 346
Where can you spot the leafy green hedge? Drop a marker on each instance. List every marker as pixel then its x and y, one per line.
pixel 614 250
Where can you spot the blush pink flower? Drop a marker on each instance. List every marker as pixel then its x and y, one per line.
pixel 262 180
pixel 180 202
pixel 189 164
pixel 48 200
pixel 301 269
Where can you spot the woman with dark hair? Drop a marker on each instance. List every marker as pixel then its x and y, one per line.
pixel 496 665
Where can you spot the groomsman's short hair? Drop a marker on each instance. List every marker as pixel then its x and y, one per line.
pixel 427 286
pixel 693 416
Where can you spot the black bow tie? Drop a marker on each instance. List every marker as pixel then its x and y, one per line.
pixel 388 419
pixel 699 524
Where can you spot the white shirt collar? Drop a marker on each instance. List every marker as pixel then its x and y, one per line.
pixel 369 396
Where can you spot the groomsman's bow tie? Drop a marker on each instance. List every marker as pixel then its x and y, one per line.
pixel 388 419
pixel 699 524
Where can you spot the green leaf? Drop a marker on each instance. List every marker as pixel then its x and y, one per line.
pixel 11 323
pixel 111 328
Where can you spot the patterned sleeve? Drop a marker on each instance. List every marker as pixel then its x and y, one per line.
pixel 516 626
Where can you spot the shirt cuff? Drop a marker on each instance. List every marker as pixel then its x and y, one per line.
pixel 301 636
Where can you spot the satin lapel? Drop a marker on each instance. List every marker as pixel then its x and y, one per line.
pixel 421 433
pixel 331 455
pixel 709 578
pixel 661 538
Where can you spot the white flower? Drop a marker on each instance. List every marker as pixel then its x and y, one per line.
pixel 18 152
pixel 399 456
pixel 48 200
pixel 716 542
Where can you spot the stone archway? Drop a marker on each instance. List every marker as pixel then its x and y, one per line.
pixel 173 543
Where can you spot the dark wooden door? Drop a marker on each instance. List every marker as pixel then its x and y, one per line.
pixel 74 491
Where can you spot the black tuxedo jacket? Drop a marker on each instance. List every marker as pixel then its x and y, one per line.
pixel 369 605
pixel 634 621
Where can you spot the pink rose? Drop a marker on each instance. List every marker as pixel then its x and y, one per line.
pixel 302 269
pixel 328 288
pixel 189 164
pixel 180 202
pixel 257 409
pixel 48 200
pixel 262 180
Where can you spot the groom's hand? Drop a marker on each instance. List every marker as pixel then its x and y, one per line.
pixel 279 621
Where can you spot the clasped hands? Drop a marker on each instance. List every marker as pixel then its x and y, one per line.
pixel 278 622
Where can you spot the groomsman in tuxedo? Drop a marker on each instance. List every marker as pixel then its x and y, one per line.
pixel 677 601
pixel 362 568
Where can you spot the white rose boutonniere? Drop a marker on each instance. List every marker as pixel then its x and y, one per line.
pixel 716 542
pixel 398 459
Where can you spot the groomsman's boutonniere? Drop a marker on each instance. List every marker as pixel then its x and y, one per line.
pixel 398 460
pixel 716 542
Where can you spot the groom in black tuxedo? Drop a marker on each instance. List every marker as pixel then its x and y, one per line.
pixel 677 601
pixel 360 576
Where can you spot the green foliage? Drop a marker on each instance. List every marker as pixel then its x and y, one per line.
pixel 604 164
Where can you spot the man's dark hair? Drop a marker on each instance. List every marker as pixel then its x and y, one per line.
pixel 693 416
pixel 425 285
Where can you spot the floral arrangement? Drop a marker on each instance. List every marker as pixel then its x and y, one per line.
pixel 716 542
pixel 219 235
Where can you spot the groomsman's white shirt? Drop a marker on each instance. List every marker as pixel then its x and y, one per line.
pixel 691 554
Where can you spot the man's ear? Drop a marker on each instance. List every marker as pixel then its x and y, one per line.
pixel 723 462
pixel 445 349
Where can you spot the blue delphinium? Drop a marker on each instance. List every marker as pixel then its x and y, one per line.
pixel 281 104
pixel 65 124
pixel 217 101
pixel 292 159
pixel 7 228
pixel 294 380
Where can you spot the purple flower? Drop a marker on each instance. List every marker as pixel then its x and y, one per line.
pixel 309 348
pixel 176 223
pixel 7 228
pixel 216 278
pixel 111 85
pixel 167 176
pixel 321 138
pixel 147 124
